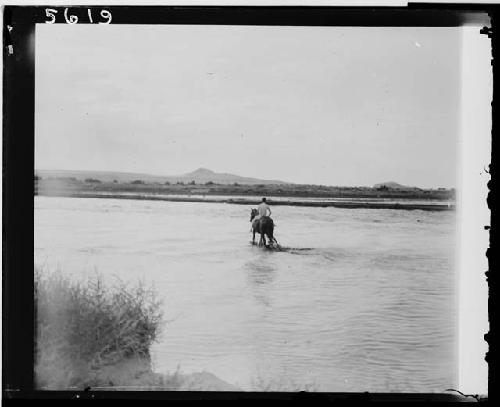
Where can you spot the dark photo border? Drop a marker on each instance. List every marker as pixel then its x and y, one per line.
pixel 18 320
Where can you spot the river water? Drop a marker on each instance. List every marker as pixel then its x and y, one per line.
pixel 359 300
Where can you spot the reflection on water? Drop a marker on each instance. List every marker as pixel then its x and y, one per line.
pixel 261 274
pixel 357 300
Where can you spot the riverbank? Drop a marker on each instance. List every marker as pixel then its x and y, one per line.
pixel 296 191
pixel 137 375
pixel 275 201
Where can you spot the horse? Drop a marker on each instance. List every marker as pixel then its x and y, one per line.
pixel 264 226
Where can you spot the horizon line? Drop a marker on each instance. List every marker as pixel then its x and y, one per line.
pixel 228 173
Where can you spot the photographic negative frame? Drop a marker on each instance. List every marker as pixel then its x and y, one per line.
pixel 18 158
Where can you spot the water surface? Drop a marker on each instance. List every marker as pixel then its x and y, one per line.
pixel 361 300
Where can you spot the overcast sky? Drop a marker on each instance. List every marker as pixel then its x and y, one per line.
pixel 323 105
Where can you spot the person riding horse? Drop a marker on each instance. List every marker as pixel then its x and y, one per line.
pixel 262 222
pixel 263 208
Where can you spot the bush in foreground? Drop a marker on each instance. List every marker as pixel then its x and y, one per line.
pixel 92 335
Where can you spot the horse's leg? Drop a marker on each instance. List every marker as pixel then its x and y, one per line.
pixel 271 239
pixel 253 239
pixel 277 244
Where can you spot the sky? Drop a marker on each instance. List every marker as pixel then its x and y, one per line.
pixel 351 106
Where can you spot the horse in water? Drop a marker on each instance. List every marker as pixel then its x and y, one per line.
pixel 264 226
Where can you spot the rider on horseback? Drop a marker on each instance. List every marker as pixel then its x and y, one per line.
pixel 262 222
pixel 263 214
pixel 263 208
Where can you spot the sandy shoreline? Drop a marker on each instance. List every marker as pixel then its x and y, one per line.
pixel 432 206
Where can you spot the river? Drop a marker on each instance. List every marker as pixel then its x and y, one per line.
pixel 359 300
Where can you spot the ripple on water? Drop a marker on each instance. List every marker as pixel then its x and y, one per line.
pixel 362 302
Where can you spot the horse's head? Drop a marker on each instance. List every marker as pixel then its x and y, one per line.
pixel 253 214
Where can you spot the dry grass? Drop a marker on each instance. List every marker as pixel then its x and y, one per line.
pixel 86 332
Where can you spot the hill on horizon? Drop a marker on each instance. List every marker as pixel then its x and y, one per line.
pixel 199 176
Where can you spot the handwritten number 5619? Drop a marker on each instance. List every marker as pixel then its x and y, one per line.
pixel 73 19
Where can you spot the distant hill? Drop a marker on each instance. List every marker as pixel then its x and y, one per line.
pixel 202 175
pixel 199 176
pixel 392 185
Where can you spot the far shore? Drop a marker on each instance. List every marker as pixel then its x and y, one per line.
pixel 318 196
pixel 279 201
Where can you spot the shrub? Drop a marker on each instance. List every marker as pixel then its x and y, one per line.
pixel 92 181
pixel 138 181
pixel 85 328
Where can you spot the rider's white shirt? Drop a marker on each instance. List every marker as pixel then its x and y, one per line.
pixel 263 208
